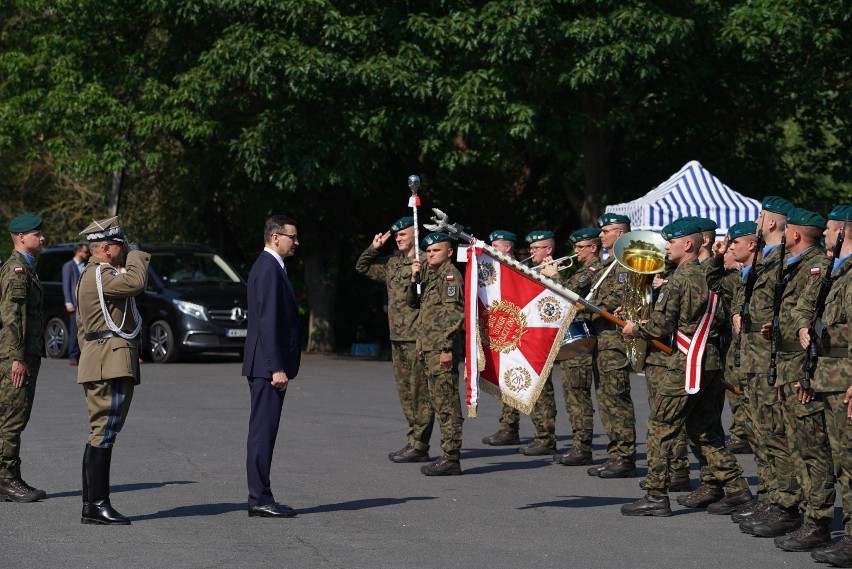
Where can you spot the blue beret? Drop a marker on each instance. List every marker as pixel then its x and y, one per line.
pixel 25 222
pixel 502 235
pixel 801 216
pixel 682 228
pixel 742 228
pixel 402 223
pixel 777 205
pixel 841 212
pixel 539 235
pixel 585 234
pixel 435 237
pixel 612 218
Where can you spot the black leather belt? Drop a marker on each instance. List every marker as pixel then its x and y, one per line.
pixel 91 336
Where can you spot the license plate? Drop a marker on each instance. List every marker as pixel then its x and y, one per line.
pixel 237 332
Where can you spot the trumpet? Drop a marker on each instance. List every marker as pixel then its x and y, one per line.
pixel 569 258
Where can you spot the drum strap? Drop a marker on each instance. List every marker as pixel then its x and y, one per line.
pixel 694 347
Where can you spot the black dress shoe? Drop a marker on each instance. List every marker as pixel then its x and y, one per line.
pixel 273 510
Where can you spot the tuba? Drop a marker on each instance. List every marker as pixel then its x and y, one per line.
pixel 643 253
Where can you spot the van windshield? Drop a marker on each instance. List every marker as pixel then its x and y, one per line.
pixel 176 268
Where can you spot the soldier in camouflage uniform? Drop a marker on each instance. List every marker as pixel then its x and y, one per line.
pixel 440 344
pixel 577 372
pixel 612 367
pixel 413 390
pixel 679 308
pixel 832 380
pixel 510 418
pixel 21 349
pixel 777 474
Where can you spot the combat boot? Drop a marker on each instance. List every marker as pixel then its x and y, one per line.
pixel 618 469
pixel 535 448
pixel 502 438
pixel 769 513
pixel 574 457
pixel 406 448
pixel 786 521
pixel 730 502
pixel 808 537
pixel 596 469
pixel 701 497
pixel 842 549
pixel 411 455
pixel 96 505
pixel 648 506
pixel 748 511
pixel 40 493
pixel 677 484
pixel 14 490
pixel 442 467
pixel 736 446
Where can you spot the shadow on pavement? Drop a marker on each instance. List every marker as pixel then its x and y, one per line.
pixel 362 504
pixel 125 488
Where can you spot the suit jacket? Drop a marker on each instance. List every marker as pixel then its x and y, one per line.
pixel 272 342
pixel 70 276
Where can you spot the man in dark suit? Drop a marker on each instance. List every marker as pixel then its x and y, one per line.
pixel 272 354
pixel 71 272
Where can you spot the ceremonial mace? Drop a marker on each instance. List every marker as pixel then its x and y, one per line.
pixel 413 203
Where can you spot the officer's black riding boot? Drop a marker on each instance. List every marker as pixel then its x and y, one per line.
pixel 98 510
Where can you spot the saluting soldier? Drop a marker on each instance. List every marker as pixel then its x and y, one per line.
pixel 509 432
pixel 21 349
pixel 108 331
pixel 832 380
pixel 682 308
pixel 411 385
pixel 440 344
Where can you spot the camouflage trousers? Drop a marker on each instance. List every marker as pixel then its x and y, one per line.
pixel 700 416
pixel 805 431
pixel 510 418
pixel 16 404
pixel 738 429
pixel 544 415
pixel 444 393
pixel 577 378
pixel 413 390
pixel 752 392
pixel 782 484
pixel 680 462
pixel 839 427
pixel 615 404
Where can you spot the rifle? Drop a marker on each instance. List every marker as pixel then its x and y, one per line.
pixel 812 353
pixel 745 319
pixel 777 295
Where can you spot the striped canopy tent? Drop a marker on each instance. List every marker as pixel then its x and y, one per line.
pixel 692 191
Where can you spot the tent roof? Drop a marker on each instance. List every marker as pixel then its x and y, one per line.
pixel 692 191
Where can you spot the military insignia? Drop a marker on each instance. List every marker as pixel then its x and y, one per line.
pixel 517 379
pixel 504 324
pixel 815 270
pixel 661 300
pixel 19 270
pixel 584 278
pixel 450 277
pixel 451 291
pixel 549 309
pixel 592 269
pixel 486 274
pixel 622 277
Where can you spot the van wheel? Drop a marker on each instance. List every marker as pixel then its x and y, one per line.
pixel 162 342
pixel 56 338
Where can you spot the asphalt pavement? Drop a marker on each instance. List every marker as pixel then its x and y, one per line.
pixel 179 474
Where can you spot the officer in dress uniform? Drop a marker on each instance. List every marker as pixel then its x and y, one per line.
pixel 108 331
pixel 21 348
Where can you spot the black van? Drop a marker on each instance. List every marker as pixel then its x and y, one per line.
pixel 194 302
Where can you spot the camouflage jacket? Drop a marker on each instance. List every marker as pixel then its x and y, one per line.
pixel 21 309
pixel 395 273
pixel 679 307
pixel 834 366
pixel 725 283
pixel 610 296
pixel 754 348
pixel 440 320
pixel 585 277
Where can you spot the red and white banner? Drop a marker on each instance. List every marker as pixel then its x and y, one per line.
pixel 514 325
pixel 694 347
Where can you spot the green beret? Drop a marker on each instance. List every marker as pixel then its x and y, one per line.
pixel 436 237
pixel 682 228
pixel 539 235
pixel 402 223
pixel 502 235
pixel 667 231
pixel 841 212
pixel 742 228
pixel 585 234
pixel 612 218
pixel 777 205
pixel 24 223
pixel 801 216
pixel 705 223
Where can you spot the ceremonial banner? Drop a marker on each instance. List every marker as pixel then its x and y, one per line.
pixel 514 328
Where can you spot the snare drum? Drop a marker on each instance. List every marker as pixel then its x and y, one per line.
pixel 579 339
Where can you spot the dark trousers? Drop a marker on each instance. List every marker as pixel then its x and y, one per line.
pixel 73 346
pixel 266 403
